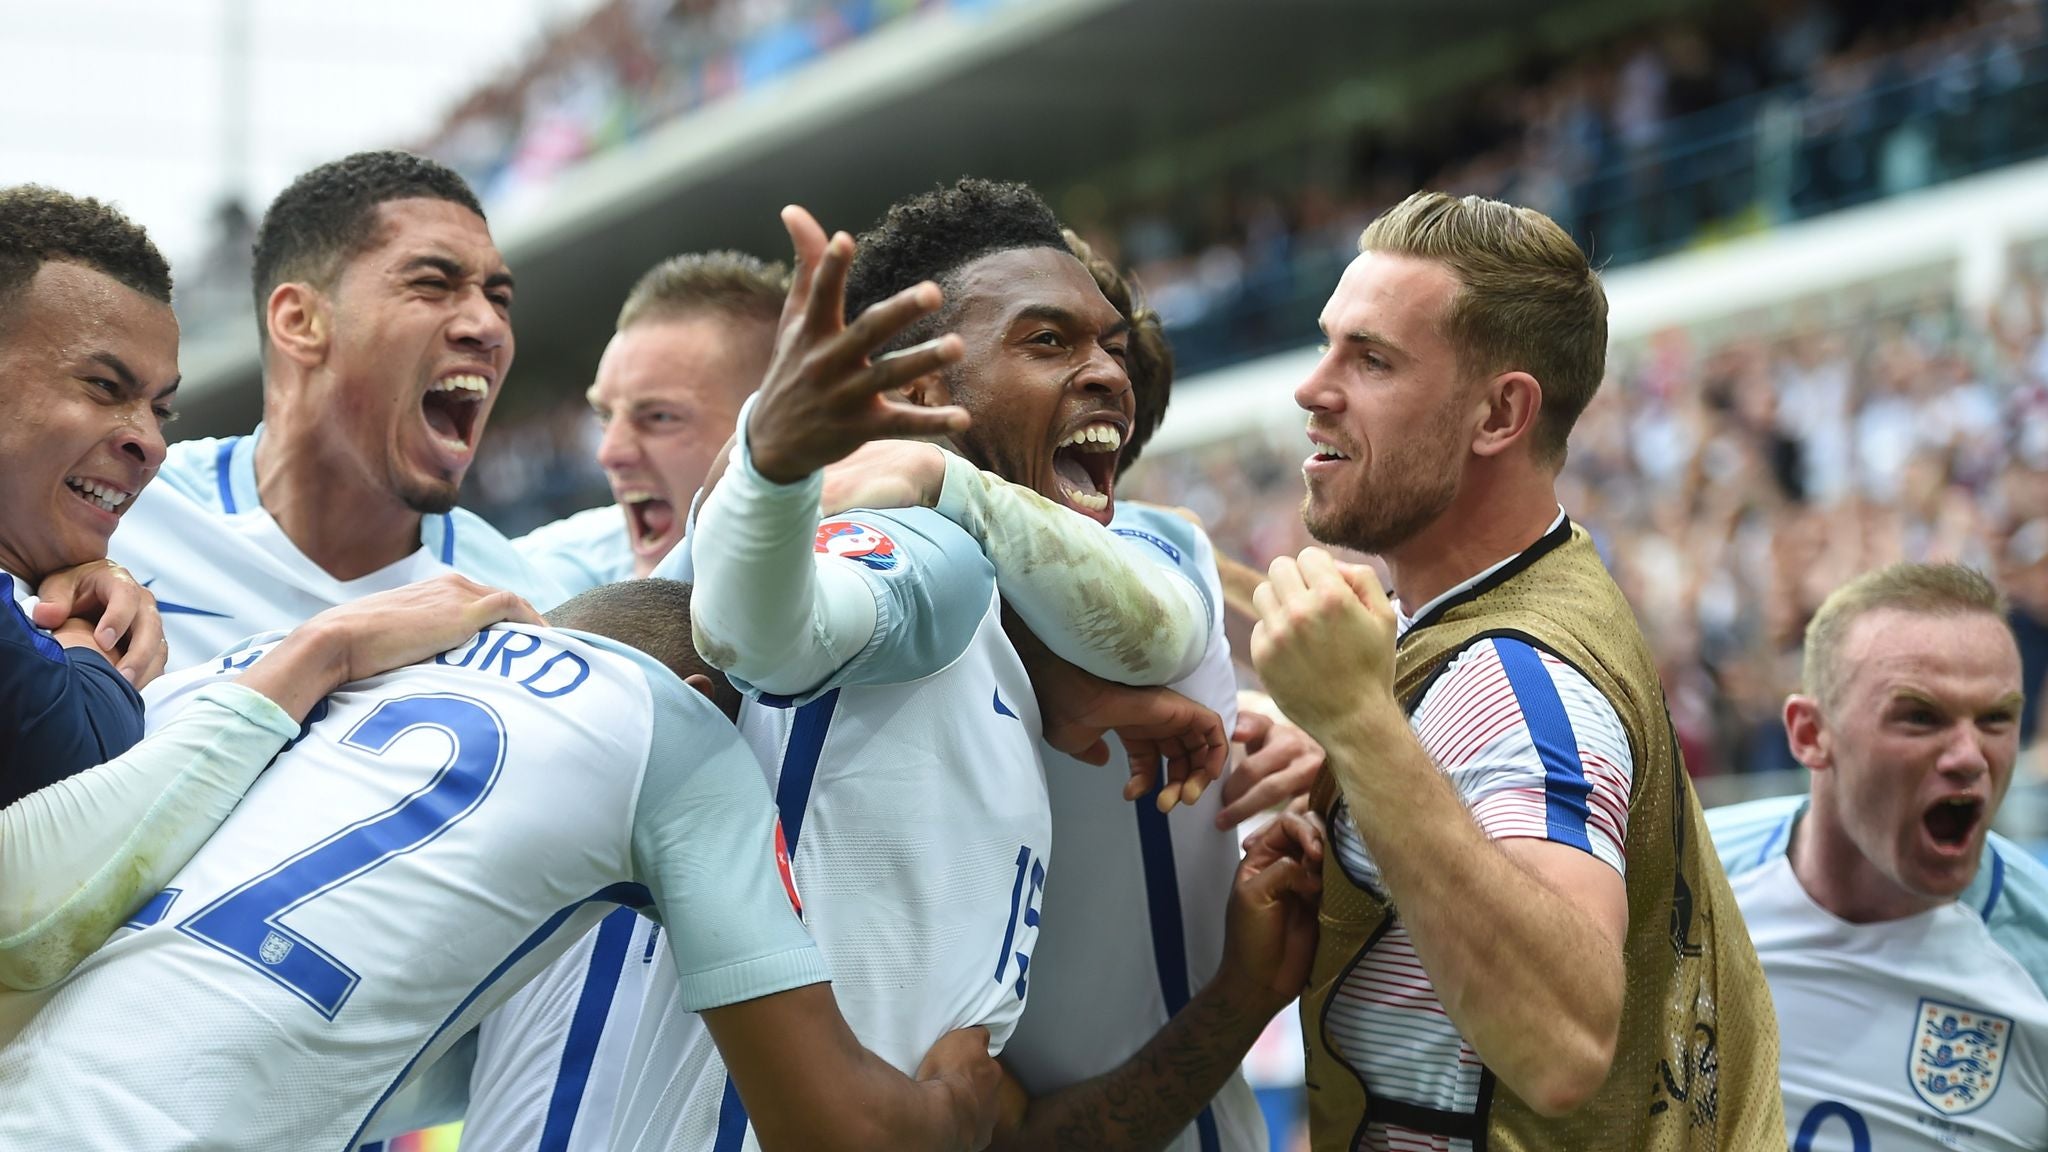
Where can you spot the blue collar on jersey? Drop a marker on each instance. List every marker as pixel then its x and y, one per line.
pixel 234 471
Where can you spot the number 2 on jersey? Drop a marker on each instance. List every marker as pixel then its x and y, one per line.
pixel 248 922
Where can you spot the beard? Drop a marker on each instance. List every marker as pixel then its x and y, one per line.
pixel 430 498
pixel 1397 497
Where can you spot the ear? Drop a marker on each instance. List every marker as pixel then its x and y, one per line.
pixel 702 684
pixel 1807 735
pixel 297 319
pixel 1512 401
pixel 928 391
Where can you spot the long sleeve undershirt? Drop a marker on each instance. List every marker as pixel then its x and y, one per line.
pixel 1092 599
pixel 78 857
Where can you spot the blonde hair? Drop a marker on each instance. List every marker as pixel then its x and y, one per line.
pixel 734 283
pixel 1925 589
pixel 1527 299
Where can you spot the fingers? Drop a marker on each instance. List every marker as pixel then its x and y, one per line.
pixel 48 613
pixel 1269 789
pixel 1283 577
pixel 825 307
pixel 1366 583
pixel 881 321
pixel 807 242
pixel 124 599
pixel 144 651
pixel 1250 728
pixel 1290 835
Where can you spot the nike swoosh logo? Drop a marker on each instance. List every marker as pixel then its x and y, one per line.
pixel 1003 709
pixel 168 608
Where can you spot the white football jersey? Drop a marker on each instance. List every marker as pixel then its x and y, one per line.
pixel 222 570
pixel 1133 919
pixel 434 837
pixel 1929 1032
pixel 582 551
pixel 914 806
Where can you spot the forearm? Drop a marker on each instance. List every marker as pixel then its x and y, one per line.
pixel 1092 600
pixel 1152 1097
pixel 763 607
pixel 77 858
pixel 1527 976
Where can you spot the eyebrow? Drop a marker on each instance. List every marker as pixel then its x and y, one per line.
pixel 1368 336
pixel 2010 702
pixel 454 270
pixel 1055 314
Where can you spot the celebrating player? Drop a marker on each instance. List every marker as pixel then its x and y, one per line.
pixel 421 849
pixel 693 339
pixel 1890 940
pixel 384 314
pixel 78 857
pixel 882 670
pixel 1526 940
pixel 88 364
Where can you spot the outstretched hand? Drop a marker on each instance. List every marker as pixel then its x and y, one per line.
pixel 826 391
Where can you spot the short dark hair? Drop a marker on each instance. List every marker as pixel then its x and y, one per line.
pixel 653 616
pixel 732 283
pixel 39 224
pixel 1149 360
pixel 325 216
pixel 932 235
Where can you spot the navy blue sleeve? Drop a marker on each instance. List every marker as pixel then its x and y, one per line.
pixel 62 710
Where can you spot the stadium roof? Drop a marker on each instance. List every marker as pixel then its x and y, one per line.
pixel 1051 91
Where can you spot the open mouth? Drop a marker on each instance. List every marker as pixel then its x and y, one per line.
pixel 1084 466
pixel 450 408
pixel 652 518
pixel 104 497
pixel 1952 822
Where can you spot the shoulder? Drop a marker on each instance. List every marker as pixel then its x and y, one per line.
pixel 1751 834
pixel 2011 894
pixel 1549 695
pixel 590 526
pixel 472 546
pixel 1179 540
pixel 195 469
pixel 900 542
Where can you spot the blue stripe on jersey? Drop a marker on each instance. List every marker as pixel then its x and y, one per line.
pixel 1775 839
pixel 1997 883
pixel 224 474
pixel 586 1025
pixel 1565 787
pixel 45 644
pixel 627 894
pixel 1169 935
pixel 158 907
pixel 448 539
pixel 800 764
pixel 732 1120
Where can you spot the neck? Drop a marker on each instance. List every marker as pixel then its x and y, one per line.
pixel 1840 878
pixel 1497 514
pixel 16 565
pixel 343 521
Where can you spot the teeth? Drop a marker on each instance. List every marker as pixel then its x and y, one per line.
pixel 107 498
pixel 452 444
pixel 474 384
pixel 1093 501
pixel 1095 438
pixel 637 497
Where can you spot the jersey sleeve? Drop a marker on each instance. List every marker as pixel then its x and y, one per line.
pixel 1084 591
pixel 78 857
pixel 62 710
pixel 705 844
pixel 789 606
pixel 1533 748
pixel 1176 544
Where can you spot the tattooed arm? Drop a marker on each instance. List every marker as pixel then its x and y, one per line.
pixel 1269 940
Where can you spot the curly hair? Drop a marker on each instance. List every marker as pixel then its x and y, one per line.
pixel 39 224
pixel 1149 362
pixel 734 283
pixel 933 235
pixel 325 216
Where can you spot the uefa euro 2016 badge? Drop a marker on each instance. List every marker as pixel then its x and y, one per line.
pixel 1958 1056
pixel 854 540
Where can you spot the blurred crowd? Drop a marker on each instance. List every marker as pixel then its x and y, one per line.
pixel 1720 122
pixel 1732 482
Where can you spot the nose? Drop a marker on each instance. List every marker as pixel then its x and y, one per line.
pixel 479 326
pixel 142 440
pixel 1965 757
pixel 620 445
pixel 1102 375
pixel 1319 392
